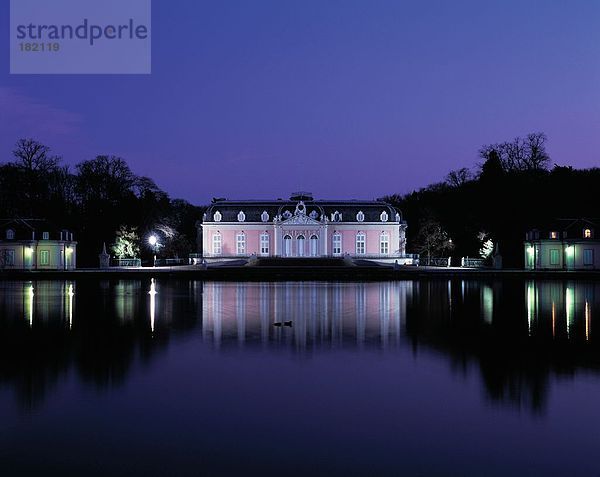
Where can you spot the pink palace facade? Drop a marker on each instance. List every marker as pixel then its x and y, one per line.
pixel 303 227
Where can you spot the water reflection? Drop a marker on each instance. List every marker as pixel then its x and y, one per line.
pixel 311 314
pixel 516 335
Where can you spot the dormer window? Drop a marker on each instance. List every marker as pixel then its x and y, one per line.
pixel 287 214
pixel 45 235
pixel 398 218
pixel 336 217
pixel 10 234
pixel 314 214
pixel 218 216
pixel 384 216
pixel 587 233
pixel 264 216
pixel 241 216
pixel 553 235
pixel 360 217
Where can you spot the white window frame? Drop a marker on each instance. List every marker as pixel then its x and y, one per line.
pixel 554 256
pixel 384 216
pixel 264 216
pixel 313 245
pixel 44 257
pixel 9 257
pixel 264 243
pixel 361 243
pixel 287 245
pixel 240 243
pixel 588 256
pixel 360 217
pixel 218 216
pixel 241 216
pixel 217 244
pixel 384 243
pixel 301 245
pixel 336 243
pixel 45 235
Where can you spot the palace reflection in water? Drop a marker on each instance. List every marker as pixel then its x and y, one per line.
pixel 517 333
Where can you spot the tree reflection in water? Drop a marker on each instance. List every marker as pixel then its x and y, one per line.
pixel 519 334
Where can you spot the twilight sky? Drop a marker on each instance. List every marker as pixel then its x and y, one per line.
pixel 346 98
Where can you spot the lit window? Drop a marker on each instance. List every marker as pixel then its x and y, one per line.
pixel 264 244
pixel 337 243
pixel 44 257
pixel 264 216
pixel 384 216
pixel 45 235
pixel 360 216
pixel 587 233
pixel 384 243
pixel 10 234
pixel 360 243
pixel 554 256
pixel 218 216
pixel 553 235
pixel 240 243
pixel 241 216
pixel 588 256
pixel 217 244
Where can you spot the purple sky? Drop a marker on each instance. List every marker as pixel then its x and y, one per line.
pixel 341 98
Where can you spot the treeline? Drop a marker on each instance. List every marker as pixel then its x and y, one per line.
pixel 96 199
pixel 513 188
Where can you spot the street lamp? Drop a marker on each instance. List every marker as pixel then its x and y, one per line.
pixel 153 241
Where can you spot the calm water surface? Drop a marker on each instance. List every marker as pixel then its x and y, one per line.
pixel 424 378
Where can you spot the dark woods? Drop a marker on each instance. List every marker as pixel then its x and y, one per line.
pixel 472 213
pixel 97 198
pixel 512 189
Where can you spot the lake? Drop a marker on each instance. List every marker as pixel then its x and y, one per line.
pixel 182 377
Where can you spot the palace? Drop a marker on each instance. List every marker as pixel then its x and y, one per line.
pixel 303 227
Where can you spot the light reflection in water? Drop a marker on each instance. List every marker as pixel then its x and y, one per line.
pixel 152 294
pixel 307 314
pixel 69 304
pixel 29 304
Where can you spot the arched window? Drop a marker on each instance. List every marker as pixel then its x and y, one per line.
pixel 314 214
pixel 301 241
pixel 384 216
pixel 217 216
pixel 398 218
pixel 384 243
pixel 287 246
pixel 217 244
pixel 361 242
pixel 337 244
pixel 240 243
pixel 587 233
pixel 241 216
pixel 264 216
pixel 287 214
pixel 10 234
pixel 314 245
pixel 336 217
pixel 360 217
pixel 264 243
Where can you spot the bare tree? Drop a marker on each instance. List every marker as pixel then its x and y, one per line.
pixel 527 154
pixel 33 156
pixel 458 177
pixel 432 239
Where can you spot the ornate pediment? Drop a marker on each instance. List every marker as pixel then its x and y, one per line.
pixel 301 219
